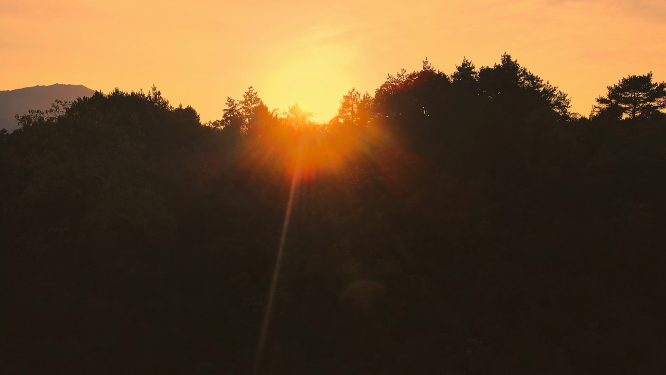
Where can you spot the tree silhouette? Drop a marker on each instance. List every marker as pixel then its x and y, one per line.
pixel 356 109
pixel 249 105
pixel 633 97
pixel 233 118
pixel 465 73
pixel 519 91
pixel 297 117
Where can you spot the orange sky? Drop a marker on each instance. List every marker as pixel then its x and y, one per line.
pixel 200 52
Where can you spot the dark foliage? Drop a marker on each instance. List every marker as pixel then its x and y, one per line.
pixel 464 224
pixel 634 97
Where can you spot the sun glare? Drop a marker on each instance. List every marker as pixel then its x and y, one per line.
pixel 317 83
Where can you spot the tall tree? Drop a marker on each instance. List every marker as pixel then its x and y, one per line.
pixel 465 73
pixel 250 103
pixel 254 112
pixel 519 91
pixel 633 97
pixel 262 121
pixel 232 117
pixel 355 109
pixel 297 117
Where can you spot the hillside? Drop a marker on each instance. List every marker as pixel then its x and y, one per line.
pixel 464 223
pixel 19 101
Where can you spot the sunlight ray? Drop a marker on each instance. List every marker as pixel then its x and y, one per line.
pixel 276 271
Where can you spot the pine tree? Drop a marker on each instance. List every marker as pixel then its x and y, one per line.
pixel 633 97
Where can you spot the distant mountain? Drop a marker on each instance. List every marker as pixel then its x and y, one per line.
pixel 19 101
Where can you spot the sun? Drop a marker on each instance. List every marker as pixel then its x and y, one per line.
pixel 316 83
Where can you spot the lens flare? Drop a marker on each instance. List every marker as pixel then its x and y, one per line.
pixel 271 295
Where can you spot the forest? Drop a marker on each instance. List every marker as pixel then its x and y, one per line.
pixel 462 223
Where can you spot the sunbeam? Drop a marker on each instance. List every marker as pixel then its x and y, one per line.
pixel 271 295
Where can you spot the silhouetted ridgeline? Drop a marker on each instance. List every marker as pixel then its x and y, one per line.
pixel 18 102
pixel 461 223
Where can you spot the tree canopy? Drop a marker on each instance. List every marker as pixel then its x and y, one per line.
pixel 633 97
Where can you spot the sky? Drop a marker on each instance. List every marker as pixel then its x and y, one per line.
pixel 311 52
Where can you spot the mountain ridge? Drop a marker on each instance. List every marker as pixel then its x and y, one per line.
pixel 40 97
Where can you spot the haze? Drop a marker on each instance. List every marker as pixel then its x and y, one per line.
pixel 198 53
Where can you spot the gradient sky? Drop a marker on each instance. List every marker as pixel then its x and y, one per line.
pixel 312 52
